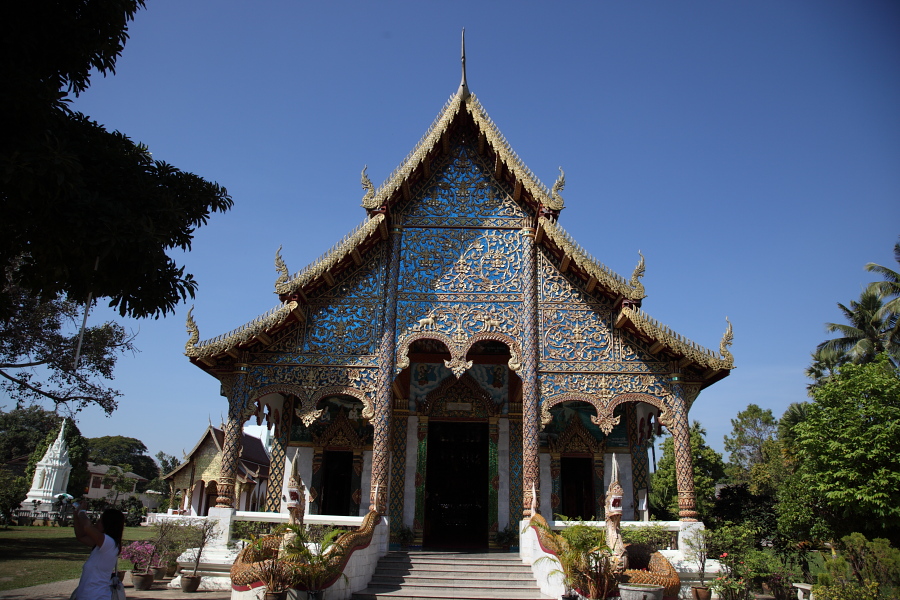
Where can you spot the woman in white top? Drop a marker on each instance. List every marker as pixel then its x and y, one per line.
pixel 105 536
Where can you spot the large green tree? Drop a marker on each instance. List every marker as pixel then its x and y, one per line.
pixel 846 450
pixel 751 431
pixel 120 450
pixel 708 470
pixel 86 210
pixel 22 429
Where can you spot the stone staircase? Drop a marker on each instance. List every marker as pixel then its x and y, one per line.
pixel 463 576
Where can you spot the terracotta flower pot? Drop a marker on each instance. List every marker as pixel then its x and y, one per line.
pixel 142 581
pixel 701 592
pixel 276 595
pixel 159 573
pixel 190 583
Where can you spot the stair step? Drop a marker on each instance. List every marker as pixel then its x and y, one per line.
pixel 452 581
pixel 374 593
pixel 449 574
pixel 427 575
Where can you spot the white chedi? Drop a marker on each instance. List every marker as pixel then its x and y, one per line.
pixel 51 475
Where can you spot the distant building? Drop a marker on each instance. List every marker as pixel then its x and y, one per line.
pixel 196 480
pixel 98 488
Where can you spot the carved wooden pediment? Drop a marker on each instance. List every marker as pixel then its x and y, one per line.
pixel 341 433
pixel 463 397
pixel 575 438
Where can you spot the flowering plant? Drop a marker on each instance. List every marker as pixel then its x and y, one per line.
pixel 140 554
pixel 730 587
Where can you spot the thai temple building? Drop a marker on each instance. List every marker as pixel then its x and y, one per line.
pixel 458 358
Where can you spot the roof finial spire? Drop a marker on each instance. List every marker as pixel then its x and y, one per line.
pixel 463 86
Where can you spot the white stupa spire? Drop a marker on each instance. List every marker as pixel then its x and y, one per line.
pixel 51 475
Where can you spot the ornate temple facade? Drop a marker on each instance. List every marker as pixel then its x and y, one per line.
pixel 458 358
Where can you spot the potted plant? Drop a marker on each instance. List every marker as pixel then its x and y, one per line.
pixel 277 577
pixel 405 536
pixel 584 560
pixel 640 591
pixel 140 554
pixel 198 535
pixel 697 543
pixel 317 560
pixel 507 537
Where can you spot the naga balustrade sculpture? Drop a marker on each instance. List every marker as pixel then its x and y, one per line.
pixel 248 569
pixel 630 563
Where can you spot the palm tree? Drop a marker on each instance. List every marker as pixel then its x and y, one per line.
pixel 869 332
pixel 823 367
pixel 889 288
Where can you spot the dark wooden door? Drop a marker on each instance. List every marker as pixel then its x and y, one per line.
pixel 337 476
pixel 577 479
pixel 456 486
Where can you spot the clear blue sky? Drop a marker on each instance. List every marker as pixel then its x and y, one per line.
pixel 750 150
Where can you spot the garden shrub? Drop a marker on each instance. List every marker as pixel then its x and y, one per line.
pixel 655 535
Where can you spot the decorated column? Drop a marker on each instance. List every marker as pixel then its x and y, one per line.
pixel 531 469
pixel 279 455
pixel 386 350
pixel 681 437
pixel 234 387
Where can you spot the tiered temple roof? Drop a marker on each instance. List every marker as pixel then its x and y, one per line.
pixel 464 109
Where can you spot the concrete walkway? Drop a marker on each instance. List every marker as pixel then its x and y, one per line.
pixel 61 590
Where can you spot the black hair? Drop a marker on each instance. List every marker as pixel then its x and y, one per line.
pixel 113 525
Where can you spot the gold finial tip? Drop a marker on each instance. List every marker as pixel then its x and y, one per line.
pixel 463 85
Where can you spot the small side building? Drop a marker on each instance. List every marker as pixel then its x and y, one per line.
pixel 194 483
pixel 101 482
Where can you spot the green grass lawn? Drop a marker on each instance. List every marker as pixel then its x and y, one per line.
pixel 34 555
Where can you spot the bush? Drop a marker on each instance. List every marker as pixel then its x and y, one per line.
pixel 584 538
pixel 862 569
pixel 247 530
pixel 655 536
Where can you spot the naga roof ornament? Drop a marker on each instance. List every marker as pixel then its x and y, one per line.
pixel 370 189
pixel 556 201
pixel 637 274
pixel 727 340
pixel 281 267
pixel 193 331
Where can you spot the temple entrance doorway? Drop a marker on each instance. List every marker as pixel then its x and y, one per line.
pixel 336 495
pixel 456 485
pixel 577 487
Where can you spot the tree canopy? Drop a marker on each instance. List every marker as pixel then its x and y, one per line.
pixel 22 429
pixel 751 430
pixel 37 348
pixel 846 450
pixel 86 210
pixel 119 450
